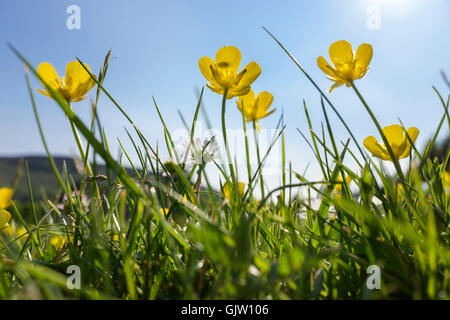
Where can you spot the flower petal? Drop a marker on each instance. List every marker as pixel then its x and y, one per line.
pixel 228 188
pixel 325 67
pixel 413 133
pixel 251 73
pixel 5 216
pixel 337 84
pixel 228 60
pixel 79 93
pixel 377 150
pixel 262 104
pixel 341 52
pixel 363 57
pixel 45 93
pixel 205 68
pixel 239 91
pixel 76 74
pixel 247 102
pixel 5 197
pixel 395 135
pixel 77 80
pixel 49 75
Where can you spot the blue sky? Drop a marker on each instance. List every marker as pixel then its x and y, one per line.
pixel 156 46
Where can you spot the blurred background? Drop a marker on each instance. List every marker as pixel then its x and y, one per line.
pixel 156 46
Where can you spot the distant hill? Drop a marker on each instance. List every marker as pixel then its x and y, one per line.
pixel 42 178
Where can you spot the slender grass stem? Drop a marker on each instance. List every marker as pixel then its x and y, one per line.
pixel 247 152
pixel 225 140
pixel 88 169
pixel 258 155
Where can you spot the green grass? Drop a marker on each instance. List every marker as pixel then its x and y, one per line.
pixel 278 246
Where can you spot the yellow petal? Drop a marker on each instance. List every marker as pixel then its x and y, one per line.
pixel 228 60
pixel 164 211
pixel 413 133
pixel 362 59
pixel 79 93
pixel 337 84
pixel 205 68
pixel 447 178
pixel 325 67
pixel 227 188
pixel 21 232
pixel 75 74
pixel 5 197
pixel 396 138
pixel 375 148
pixel 217 89
pixel 252 72
pixel 48 73
pixel 8 230
pixel 58 242
pixel 241 187
pixel 263 103
pixel 247 103
pixel 5 216
pixel 239 91
pixel 45 93
pixel 77 81
pixel 341 52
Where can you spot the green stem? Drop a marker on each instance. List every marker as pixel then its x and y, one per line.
pixel 224 132
pixel 380 130
pixel 261 181
pixel 88 167
pixel 247 153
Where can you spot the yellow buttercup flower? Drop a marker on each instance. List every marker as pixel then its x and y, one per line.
pixel 5 201
pixel 338 187
pixel 73 87
pixel 8 230
pixel 21 233
pixel 255 107
pixel 347 66
pixel 5 197
pixel 228 187
pixel 400 192
pixel 58 242
pixel 447 182
pixel 5 216
pixel 396 136
pixel 164 211
pixel 223 72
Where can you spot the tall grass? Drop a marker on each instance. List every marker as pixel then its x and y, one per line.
pixel 162 232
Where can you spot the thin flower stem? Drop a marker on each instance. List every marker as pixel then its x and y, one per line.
pixel 261 181
pixel 247 153
pixel 224 132
pixel 380 130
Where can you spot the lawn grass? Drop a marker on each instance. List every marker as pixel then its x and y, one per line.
pixel 162 232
